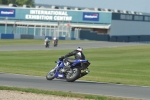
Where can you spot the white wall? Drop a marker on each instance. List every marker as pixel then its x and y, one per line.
pixel 119 27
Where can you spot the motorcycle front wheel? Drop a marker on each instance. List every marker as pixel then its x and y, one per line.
pixel 71 77
pixel 50 75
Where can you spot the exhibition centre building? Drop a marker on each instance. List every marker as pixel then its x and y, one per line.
pixel 73 23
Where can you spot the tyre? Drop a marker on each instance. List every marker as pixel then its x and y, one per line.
pixel 71 77
pixel 50 75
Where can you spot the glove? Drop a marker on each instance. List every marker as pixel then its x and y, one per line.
pixel 61 58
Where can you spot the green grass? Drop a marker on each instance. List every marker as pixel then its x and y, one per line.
pixel 121 65
pixel 60 93
pixel 32 41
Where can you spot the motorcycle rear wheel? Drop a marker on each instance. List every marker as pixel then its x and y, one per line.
pixel 71 77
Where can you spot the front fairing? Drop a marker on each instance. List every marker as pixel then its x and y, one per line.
pixel 60 64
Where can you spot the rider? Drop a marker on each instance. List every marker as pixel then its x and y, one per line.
pixel 78 54
pixel 46 40
pixel 55 39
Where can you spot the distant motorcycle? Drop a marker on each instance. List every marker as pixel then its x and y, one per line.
pixel 77 69
pixel 47 44
pixel 55 43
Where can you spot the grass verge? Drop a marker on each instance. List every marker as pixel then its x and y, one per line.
pixel 60 93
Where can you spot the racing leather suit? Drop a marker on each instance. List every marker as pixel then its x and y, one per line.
pixel 77 54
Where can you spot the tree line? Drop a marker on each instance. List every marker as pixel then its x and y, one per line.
pixel 18 2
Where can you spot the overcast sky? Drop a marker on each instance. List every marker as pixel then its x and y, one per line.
pixel 131 5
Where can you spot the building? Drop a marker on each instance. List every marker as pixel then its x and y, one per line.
pixel 73 23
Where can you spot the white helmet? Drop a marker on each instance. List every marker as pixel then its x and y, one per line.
pixel 54 38
pixel 79 49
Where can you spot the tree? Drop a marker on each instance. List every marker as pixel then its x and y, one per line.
pixel 4 2
pixel 11 1
pixel 27 2
pixel 18 2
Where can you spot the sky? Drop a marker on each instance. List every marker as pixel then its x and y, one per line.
pixel 129 5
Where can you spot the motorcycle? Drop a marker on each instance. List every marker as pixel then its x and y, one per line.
pixel 55 43
pixel 77 69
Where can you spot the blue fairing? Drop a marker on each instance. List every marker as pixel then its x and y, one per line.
pixel 60 64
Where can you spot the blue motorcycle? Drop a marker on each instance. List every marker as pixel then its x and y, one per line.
pixel 76 70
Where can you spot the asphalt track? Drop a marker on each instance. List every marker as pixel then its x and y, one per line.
pixel 77 86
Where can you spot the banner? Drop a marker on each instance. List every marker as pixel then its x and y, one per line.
pixel 7 12
pixel 90 16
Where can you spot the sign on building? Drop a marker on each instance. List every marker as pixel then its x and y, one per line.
pixel 7 12
pixel 90 16
pixel 48 15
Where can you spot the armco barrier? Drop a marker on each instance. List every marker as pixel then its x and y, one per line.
pixel 27 36
pixel 16 36
pixel 7 36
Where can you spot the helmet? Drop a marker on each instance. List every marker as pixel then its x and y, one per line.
pixel 79 49
pixel 54 38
